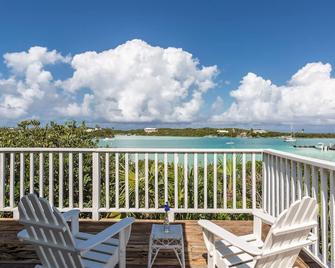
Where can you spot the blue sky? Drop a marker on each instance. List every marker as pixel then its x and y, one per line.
pixel 271 39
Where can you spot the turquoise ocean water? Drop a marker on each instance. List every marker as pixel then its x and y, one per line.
pixel 220 143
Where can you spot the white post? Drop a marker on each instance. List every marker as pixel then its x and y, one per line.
pixel 21 175
pixel 234 180
pixel 264 183
pixel 253 185
pixel 215 181
pixel 171 216
pixel 195 168
pixel 80 163
pixel 41 175
pixel 146 180
pixel 61 178
pixel 96 186
pixel 257 227
pixel 11 179
pixel 176 181
pixel 51 179
pixel 244 192
pixel 16 215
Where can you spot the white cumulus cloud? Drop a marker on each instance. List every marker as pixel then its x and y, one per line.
pixel 30 86
pixel 307 98
pixel 137 82
pixel 134 82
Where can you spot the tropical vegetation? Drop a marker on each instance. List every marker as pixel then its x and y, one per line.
pixel 32 134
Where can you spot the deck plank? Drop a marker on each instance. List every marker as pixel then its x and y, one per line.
pixel 14 254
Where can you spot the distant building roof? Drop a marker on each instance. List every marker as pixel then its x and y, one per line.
pixel 222 131
pixel 93 129
pixel 260 131
pixel 150 129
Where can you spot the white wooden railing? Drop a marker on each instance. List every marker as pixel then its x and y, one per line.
pixel 286 178
pixel 124 180
pixel 161 175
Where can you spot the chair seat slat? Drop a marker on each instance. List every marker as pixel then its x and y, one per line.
pixel 98 256
pixel 85 236
pixel 46 244
pixel 93 264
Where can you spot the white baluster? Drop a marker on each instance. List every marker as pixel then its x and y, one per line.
pixel 96 186
pixel 51 179
pixel 22 168
pixel 244 187
pixel 176 196
pixel 81 186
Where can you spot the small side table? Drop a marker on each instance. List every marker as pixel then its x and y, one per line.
pixel 172 240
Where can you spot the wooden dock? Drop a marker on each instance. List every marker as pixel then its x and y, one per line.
pixel 304 146
pixel 14 254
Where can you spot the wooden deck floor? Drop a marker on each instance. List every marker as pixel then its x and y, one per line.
pixel 15 254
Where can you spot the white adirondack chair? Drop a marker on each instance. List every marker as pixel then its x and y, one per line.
pixel 289 233
pixel 59 246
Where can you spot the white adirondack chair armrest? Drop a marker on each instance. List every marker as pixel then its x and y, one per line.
pixel 312 237
pixel 266 218
pixel 72 216
pixel 105 234
pixel 229 237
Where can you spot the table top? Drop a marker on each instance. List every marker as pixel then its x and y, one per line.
pixel 157 231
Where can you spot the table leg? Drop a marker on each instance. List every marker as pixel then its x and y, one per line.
pixel 179 251
pixel 155 253
pixel 183 253
pixel 150 253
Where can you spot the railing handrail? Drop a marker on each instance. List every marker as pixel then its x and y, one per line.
pixel 129 150
pixel 303 159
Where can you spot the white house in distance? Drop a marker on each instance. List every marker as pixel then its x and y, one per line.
pixel 150 130
pixel 259 131
pixel 222 131
pixel 93 129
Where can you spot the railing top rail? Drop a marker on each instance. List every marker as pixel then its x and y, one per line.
pixel 302 159
pixel 132 150
pixel 40 149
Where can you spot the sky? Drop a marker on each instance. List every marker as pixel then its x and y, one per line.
pixel 126 64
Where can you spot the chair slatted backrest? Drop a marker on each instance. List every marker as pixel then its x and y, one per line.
pixel 289 234
pixel 49 233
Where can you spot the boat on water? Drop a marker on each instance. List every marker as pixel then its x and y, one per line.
pixel 230 142
pixel 321 146
pixel 290 139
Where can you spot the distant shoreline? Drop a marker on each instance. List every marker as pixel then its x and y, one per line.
pixel 170 136
pixel 302 146
pixel 214 132
pixel 98 132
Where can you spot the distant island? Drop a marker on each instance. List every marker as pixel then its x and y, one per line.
pixel 32 133
pixel 204 132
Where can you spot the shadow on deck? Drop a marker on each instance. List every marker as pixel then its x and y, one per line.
pixel 13 253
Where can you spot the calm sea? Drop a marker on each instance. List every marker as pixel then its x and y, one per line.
pixel 220 142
